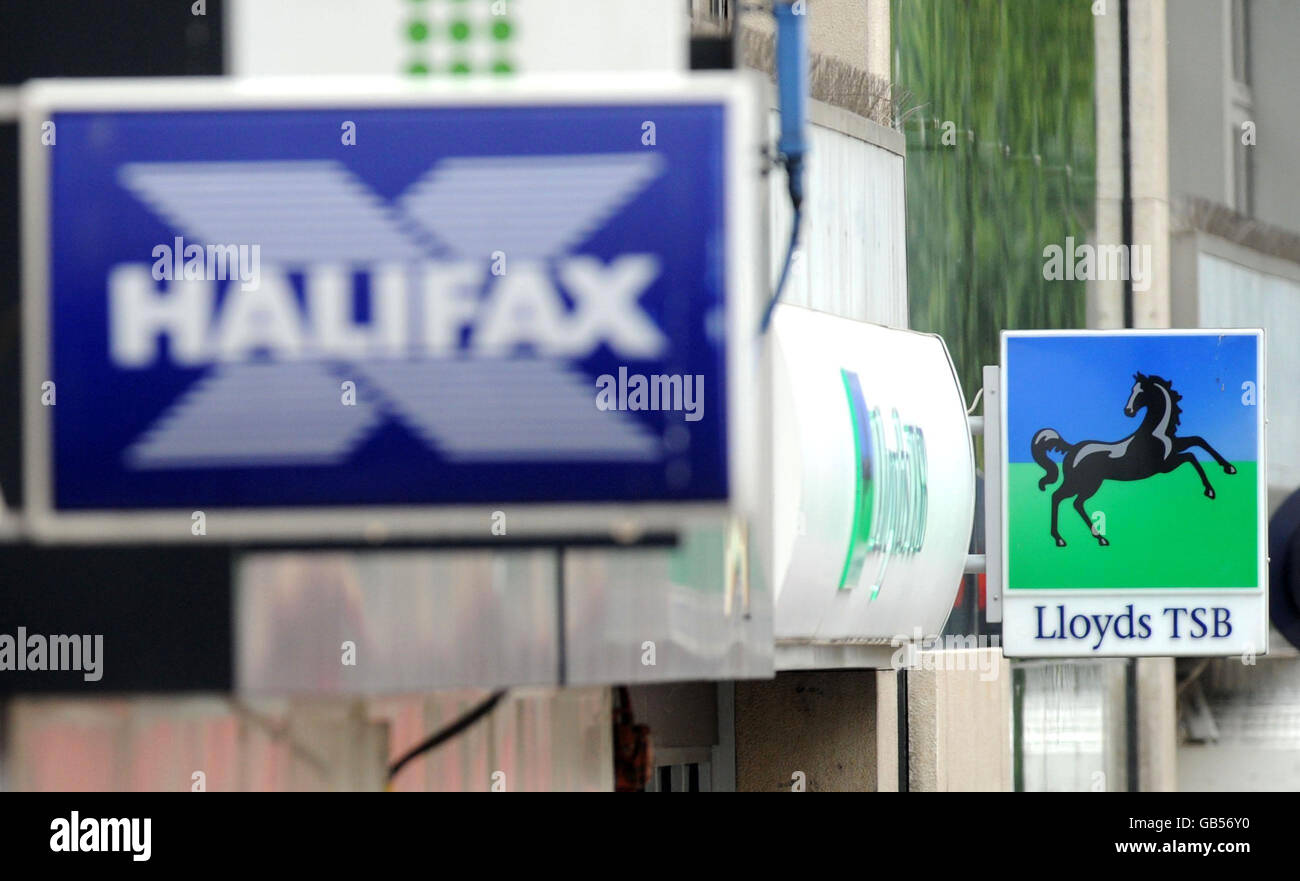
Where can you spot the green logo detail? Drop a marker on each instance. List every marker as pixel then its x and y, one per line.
pixel 890 499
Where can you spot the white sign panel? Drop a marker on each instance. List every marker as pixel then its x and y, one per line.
pixel 874 480
pixel 436 37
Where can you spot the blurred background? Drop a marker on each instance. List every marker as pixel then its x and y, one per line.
pixel 950 144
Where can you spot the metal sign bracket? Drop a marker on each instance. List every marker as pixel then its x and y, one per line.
pixel 989 426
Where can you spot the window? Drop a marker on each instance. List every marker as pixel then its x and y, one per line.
pixel 686 777
pixel 717 11
pixel 1241 41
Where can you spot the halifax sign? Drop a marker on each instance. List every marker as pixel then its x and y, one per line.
pixel 386 310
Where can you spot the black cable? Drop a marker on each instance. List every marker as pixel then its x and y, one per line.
pixel 1132 730
pixel 904 732
pixel 444 734
pixel 792 86
pixel 1126 159
pixel 785 270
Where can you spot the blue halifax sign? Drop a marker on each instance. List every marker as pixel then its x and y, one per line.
pixel 392 304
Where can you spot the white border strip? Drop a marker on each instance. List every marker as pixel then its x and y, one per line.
pixel 10 101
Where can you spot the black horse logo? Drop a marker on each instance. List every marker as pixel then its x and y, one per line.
pixel 1152 449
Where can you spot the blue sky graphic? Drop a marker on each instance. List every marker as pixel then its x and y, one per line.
pixel 1078 385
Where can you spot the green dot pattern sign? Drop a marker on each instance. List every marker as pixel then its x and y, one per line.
pixel 1134 493
pixel 459 37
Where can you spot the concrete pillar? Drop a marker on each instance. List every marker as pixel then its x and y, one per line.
pixel 838 730
pixel 959 721
pixel 1106 297
pixel 887 731
pixel 1157 725
pixel 813 728
pixel 878 54
pixel 1149 155
pixel 1148 161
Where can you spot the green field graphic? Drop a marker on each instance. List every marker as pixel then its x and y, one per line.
pixel 1159 529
